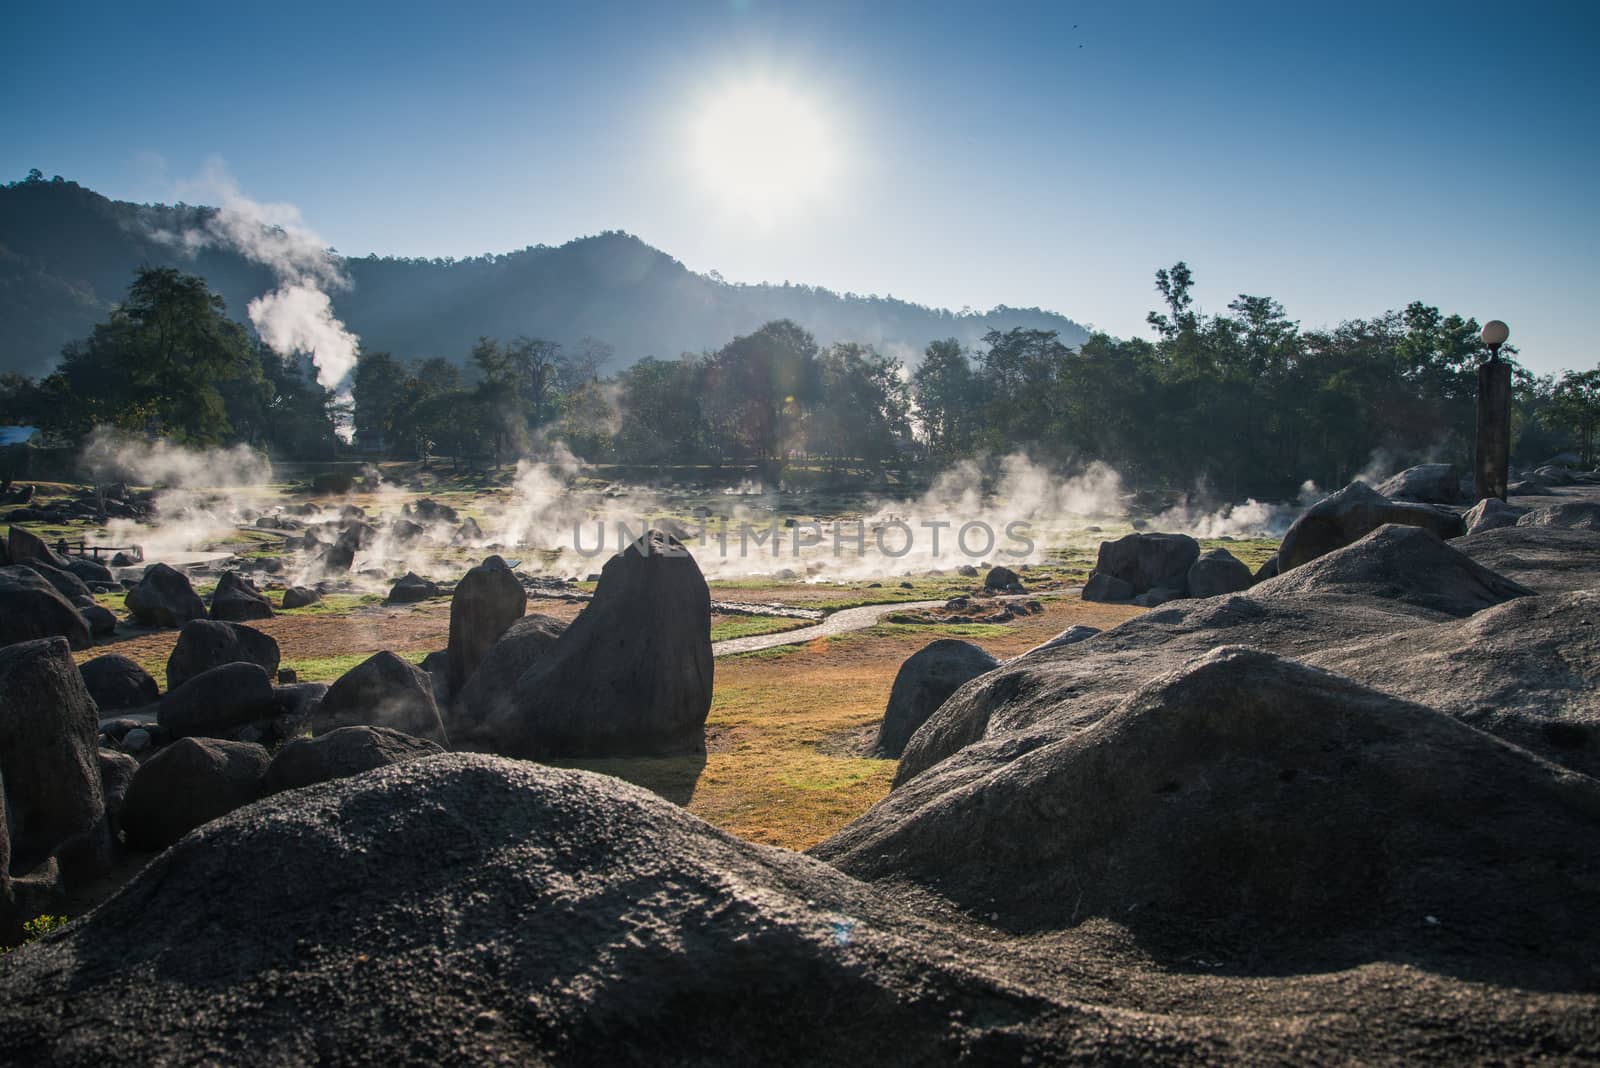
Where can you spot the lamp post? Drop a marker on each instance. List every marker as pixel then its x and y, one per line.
pixel 1494 416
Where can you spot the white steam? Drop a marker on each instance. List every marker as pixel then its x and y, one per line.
pixel 297 316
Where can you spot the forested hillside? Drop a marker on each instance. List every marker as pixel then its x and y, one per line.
pixel 68 254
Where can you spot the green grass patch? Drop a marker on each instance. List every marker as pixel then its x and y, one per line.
pixel 944 630
pixel 333 604
pixel 749 626
pixel 328 668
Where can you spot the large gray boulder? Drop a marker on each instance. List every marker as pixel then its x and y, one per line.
pixel 1545 559
pixel 925 681
pixel 116 774
pixel 204 644
pixel 1393 582
pixel 1350 515
pixel 631 675
pixel 164 597
pixel 1526 671
pixel 381 691
pixel 1107 589
pixel 1251 789
pixel 1148 561
pixel 189 783
pixel 487 600
pixel 341 753
pixel 1491 513
pixel 49 728
pixel 236 599
pixel 1405 564
pixel 66 583
pixel 117 683
pixel 31 608
pixel 411 588
pixel 1569 515
pixel 508 911
pixel 1216 572
pixel 489 692
pixel 1424 484
pixel 23 545
pixel 217 702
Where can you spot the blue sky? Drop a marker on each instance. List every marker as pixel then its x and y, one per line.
pixel 1343 158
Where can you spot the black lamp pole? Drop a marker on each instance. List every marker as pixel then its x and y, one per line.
pixel 1493 459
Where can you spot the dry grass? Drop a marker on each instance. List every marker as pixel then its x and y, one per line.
pixel 787 728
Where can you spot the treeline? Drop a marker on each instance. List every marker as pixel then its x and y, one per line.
pixel 1244 401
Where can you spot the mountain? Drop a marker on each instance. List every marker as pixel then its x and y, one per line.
pixel 67 255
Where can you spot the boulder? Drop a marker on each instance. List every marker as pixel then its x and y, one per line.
pixel 49 728
pixel 1003 580
pixel 164 597
pixel 116 773
pixel 1425 484
pixel 204 644
pixel 1268 569
pixel 487 600
pixel 1527 488
pixel 1107 589
pixel 1554 476
pixel 102 621
pixel 411 588
pixel 405 531
pixel 1148 561
pixel 468 534
pixel 189 783
pixel 1071 636
pixel 217 701
pixel 631 675
pixel 1246 789
pixel 117 683
pixel 23 545
pixel 1217 572
pixel 1409 565
pixel 1569 515
pixel 381 691
pixel 300 597
pixel 488 693
pixel 511 912
pixel 1351 514
pixel 1545 559
pixel 237 599
pixel 31 608
pixel 1159 595
pixel 925 680
pixel 431 511
pixel 1491 513
pixel 341 753
pixel 1389 584
pixel 66 583
pixel 90 571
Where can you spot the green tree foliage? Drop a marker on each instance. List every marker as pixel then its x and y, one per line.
pixel 162 363
pixel 1574 406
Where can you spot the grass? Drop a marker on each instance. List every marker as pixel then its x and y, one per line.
pixel 333 604
pixel 749 626
pixel 328 668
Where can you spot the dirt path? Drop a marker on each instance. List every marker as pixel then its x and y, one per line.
pixel 842 622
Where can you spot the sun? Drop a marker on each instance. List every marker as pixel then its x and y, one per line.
pixel 762 149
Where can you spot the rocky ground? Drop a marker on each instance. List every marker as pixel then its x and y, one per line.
pixel 1346 813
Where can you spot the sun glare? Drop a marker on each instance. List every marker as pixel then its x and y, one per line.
pixel 764 150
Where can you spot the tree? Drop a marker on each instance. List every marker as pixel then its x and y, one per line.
pixel 946 398
pixel 160 362
pixel 1574 406
pixel 759 386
